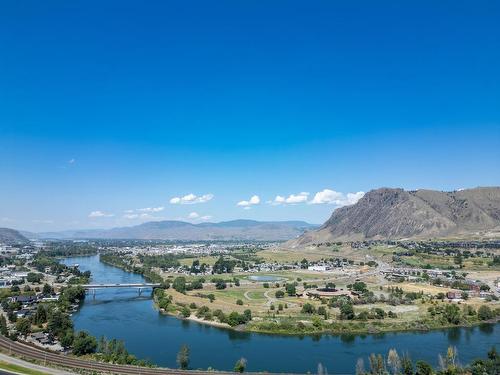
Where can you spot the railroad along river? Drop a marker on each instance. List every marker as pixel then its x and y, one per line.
pixel 123 314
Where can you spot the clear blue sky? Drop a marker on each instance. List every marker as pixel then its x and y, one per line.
pixel 107 107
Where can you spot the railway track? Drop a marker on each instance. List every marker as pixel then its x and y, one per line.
pixel 51 358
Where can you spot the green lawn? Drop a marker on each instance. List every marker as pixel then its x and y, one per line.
pixel 20 369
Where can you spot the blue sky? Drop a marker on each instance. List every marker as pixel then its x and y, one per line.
pixel 108 107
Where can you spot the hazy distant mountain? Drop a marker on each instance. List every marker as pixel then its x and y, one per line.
pixel 180 230
pixel 11 236
pixel 395 214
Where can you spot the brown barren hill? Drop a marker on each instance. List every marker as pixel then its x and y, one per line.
pixel 389 213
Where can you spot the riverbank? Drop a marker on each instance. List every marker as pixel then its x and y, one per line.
pixel 290 322
pixel 151 335
pixel 337 328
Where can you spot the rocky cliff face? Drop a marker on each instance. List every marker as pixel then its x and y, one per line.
pixel 396 214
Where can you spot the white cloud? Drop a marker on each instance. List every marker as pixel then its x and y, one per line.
pixel 142 216
pixel 353 198
pixel 291 199
pixel 98 213
pixel 279 199
pixel 328 196
pixel 71 161
pixel 254 200
pixel 195 216
pixel 151 209
pixel 131 216
pixel 192 199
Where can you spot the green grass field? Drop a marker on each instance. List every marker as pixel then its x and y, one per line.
pixel 19 369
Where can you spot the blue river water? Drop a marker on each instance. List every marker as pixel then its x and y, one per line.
pixel 123 314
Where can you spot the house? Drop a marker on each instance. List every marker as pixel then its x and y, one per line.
pixel 454 294
pixel 42 338
pixel 24 299
pixel 22 313
pixel 319 268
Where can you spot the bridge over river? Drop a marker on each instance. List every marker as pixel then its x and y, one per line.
pixel 140 286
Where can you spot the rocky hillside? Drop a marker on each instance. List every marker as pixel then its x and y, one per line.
pixel 396 214
pixel 180 230
pixel 11 236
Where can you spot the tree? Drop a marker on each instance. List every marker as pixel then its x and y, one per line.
pixel 423 368
pixel 3 326
pixel 346 311
pixel 15 289
pixel 195 267
pixel 308 308
pixel 393 361
pixel 23 326
pixel 34 277
pixel 183 357
pixel 179 284
pixel 240 365
pixel 279 294
pixel 407 365
pixel 58 323
pixel 84 343
pixel 322 311
pixel 67 338
pixel 360 367
pixel 484 313
pixel 40 316
pixel 291 289
pixel 452 314
pixel 239 302
pixel 47 289
pixel 185 312
pixel 359 286
pixel 377 364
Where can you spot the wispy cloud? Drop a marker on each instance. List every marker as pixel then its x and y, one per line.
pixel 195 216
pixel 71 161
pixel 192 199
pixel 247 204
pixel 151 209
pixel 142 216
pixel 95 214
pixel 327 196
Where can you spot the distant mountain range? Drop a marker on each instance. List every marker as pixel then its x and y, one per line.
pixel 398 214
pixel 11 236
pixel 180 230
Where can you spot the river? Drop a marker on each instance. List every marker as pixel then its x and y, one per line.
pixel 123 314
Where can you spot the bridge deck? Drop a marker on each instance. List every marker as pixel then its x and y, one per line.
pixel 131 285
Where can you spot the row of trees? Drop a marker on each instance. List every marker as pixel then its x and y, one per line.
pixel 394 364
